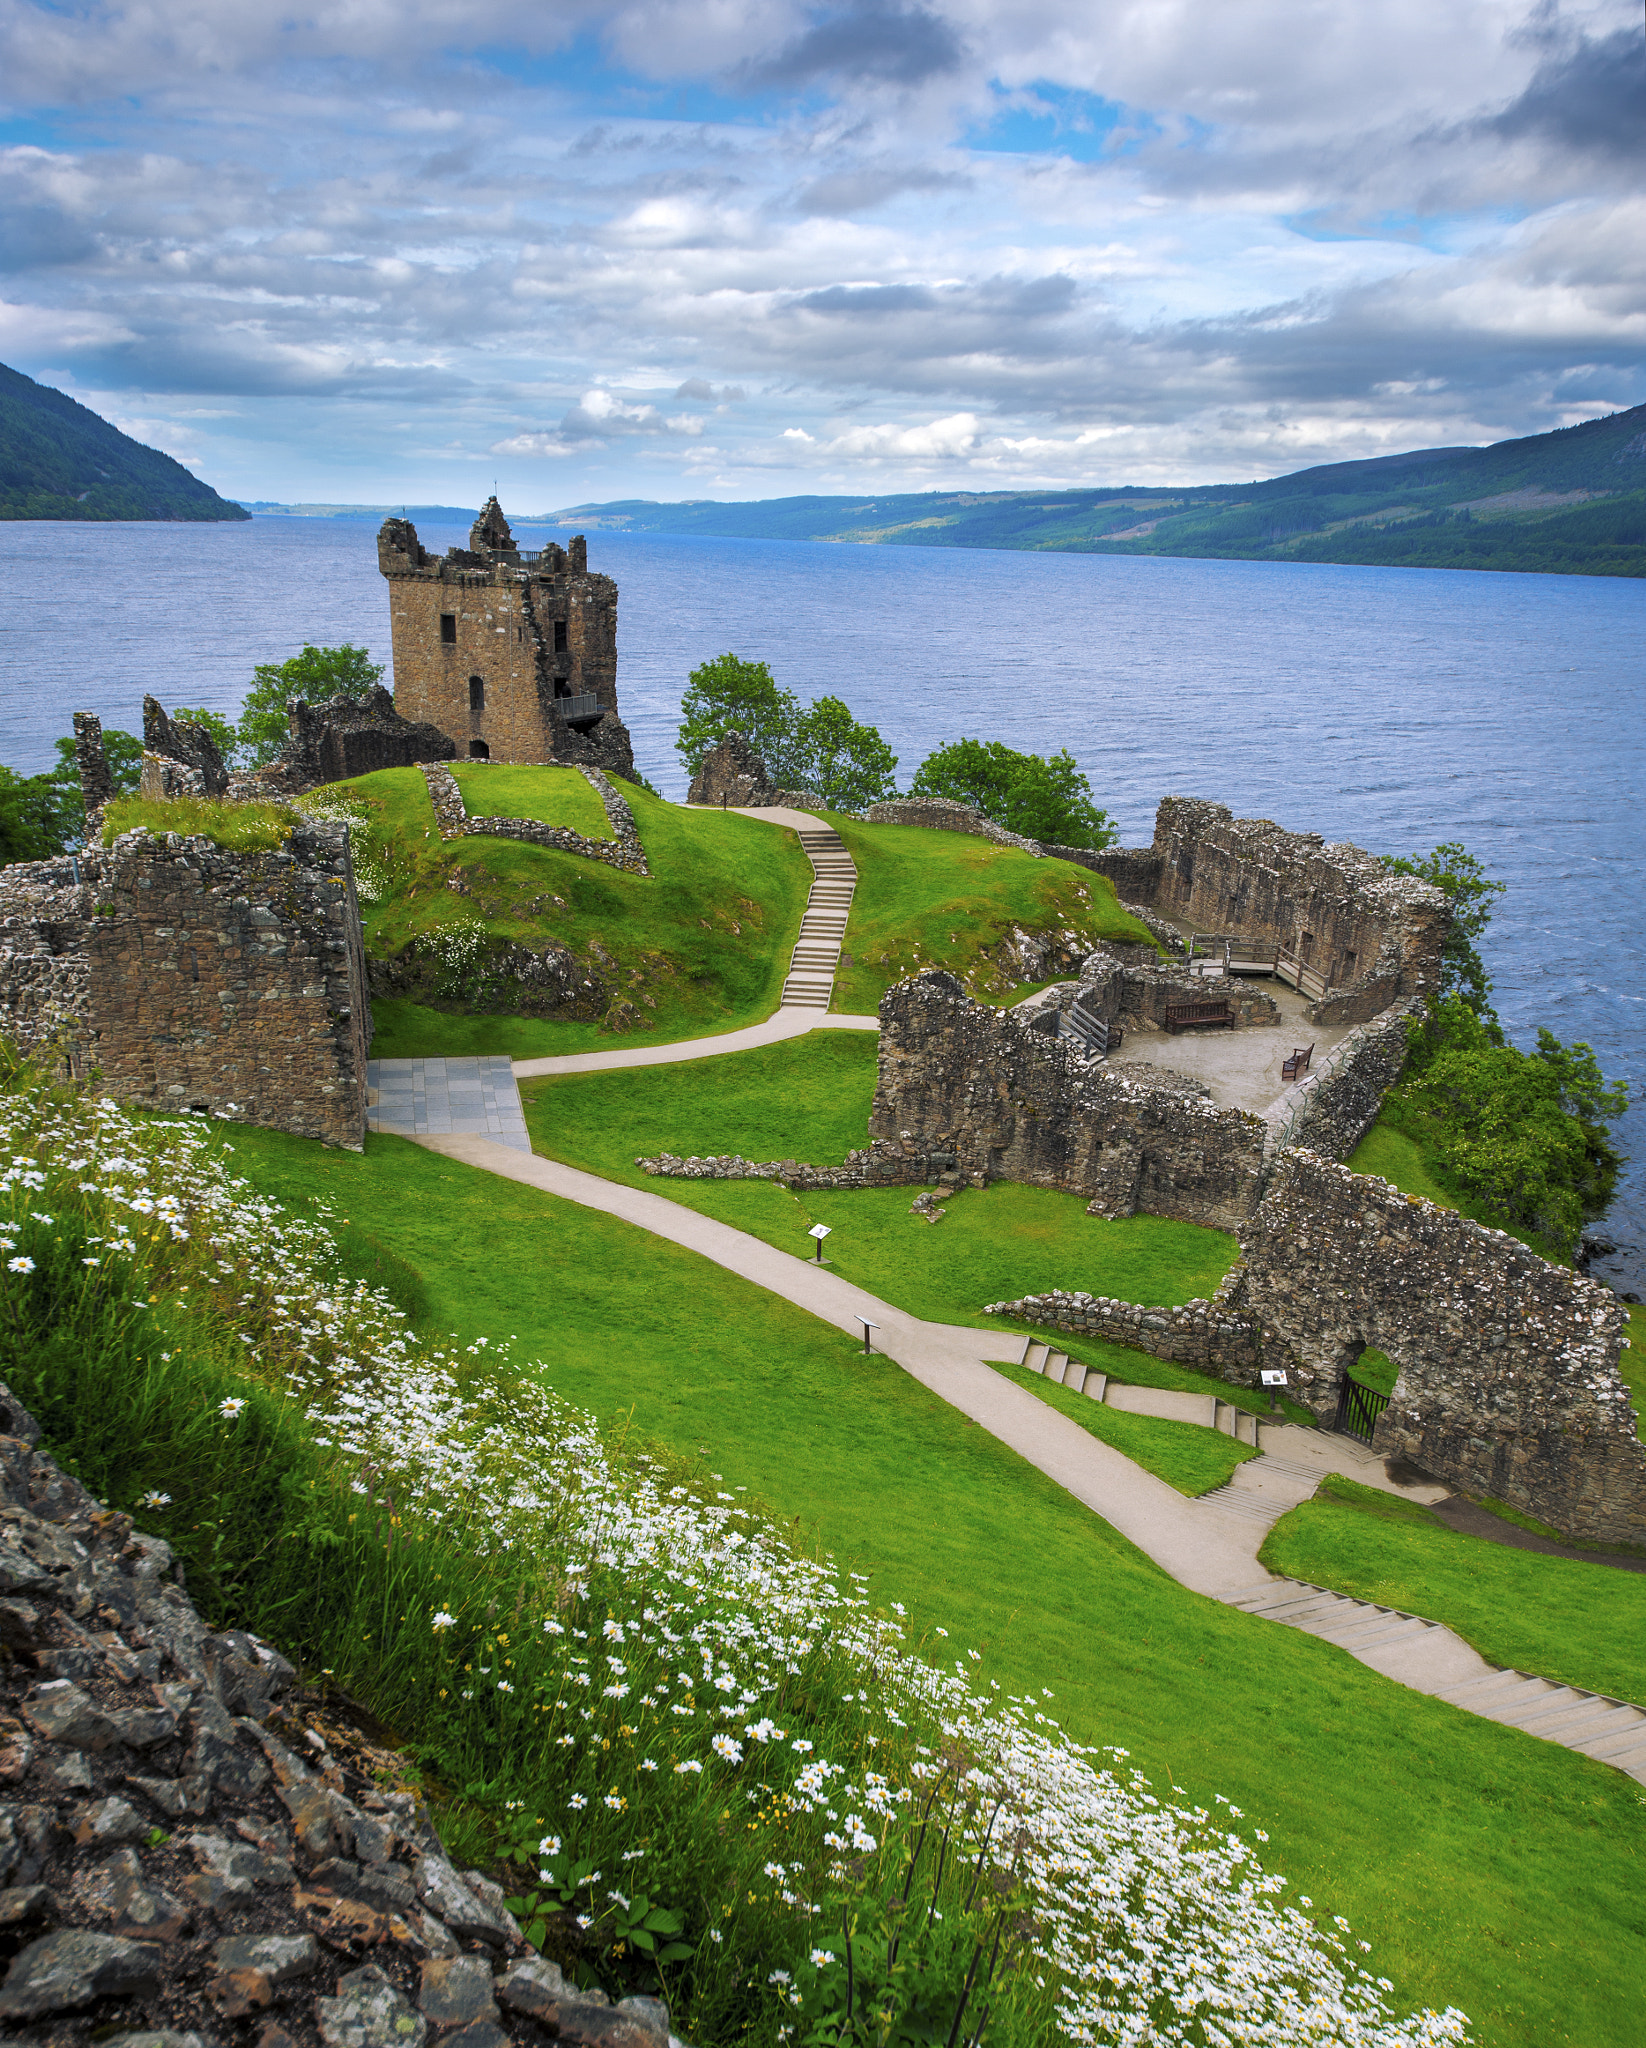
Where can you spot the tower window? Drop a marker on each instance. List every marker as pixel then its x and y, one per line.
pixel 559 636
pixel 477 694
pixel 448 629
pixel 479 751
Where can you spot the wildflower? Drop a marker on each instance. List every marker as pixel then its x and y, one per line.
pixel 616 1801
pixel 155 1500
pixel 20 1265
pixel 715 1936
pixel 775 1870
pixel 503 1685
pixel 779 1977
pixel 801 1746
pixel 820 1956
pixel 442 1621
pixel 691 1764
pixel 230 1409
pixel 648 1763
pixel 549 1846
pixel 577 1802
pixel 91 1262
pixel 723 1745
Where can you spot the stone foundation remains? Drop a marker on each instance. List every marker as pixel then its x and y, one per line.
pixel 624 851
pixel 346 737
pixel 194 978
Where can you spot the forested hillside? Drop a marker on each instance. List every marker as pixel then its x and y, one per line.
pixel 60 461
pixel 1567 503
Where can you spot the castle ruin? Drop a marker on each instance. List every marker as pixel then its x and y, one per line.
pixel 512 654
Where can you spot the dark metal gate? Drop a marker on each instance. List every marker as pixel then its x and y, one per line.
pixel 1358 1407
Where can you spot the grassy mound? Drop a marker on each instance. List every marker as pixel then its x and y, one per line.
pixel 944 899
pixel 1483 1866
pixel 1193 1459
pixel 241 828
pixel 700 945
pixel 1583 1624
pixel 808 1098
pixel 553 796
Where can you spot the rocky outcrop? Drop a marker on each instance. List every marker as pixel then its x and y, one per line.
pixel 185 1864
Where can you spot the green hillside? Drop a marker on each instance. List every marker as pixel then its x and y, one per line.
pixel 60 461
pixel 1569 503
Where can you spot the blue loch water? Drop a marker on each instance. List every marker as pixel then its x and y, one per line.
pixel 1393 707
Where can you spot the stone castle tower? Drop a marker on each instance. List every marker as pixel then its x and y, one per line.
pixel 512 655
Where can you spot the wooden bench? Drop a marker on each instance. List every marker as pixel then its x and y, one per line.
pixel 1188 1016
pixel 1298 1063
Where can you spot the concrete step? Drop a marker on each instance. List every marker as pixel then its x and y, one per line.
pixel 1074 1374
pixel 1623 1745
pixel 1097 1385
pixel 1056 1363
pixel 1035 1357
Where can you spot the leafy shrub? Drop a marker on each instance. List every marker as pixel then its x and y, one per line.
pixel 820 746
pixel 1040 798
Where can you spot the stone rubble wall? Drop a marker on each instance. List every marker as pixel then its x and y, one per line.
pixel 1509 1384
pixel 193 977
pixel 939 815
pixel 184 1863
pixel 1210 1336
pixel 1332 1107
pixel 454 821
pixel 346 737
pixel 735 777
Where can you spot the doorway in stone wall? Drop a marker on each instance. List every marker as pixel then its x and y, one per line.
pixel 1363 1393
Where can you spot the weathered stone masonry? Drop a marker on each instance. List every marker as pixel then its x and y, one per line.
pixel 1508 1380
pixel 196 978
pixel 513 656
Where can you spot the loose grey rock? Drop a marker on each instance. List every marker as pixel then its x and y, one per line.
pixel 368 2013
pixel 236 1866
pixel 61 1712
pixel 457 1992
pixel 143 1727
pixel 586 2023
pixel 217 1755
pixel 72 1774
pixel 76 1968
pixel 26 1905
pixel 116 1891
pixel 533 1986
pixel 107 1821
pixel 650 2013
pixel 165 2038
pixel 481 2034
pixel 470 1918
pixel 177 1798
pixel 279 1957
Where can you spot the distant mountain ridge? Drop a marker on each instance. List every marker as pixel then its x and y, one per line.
pixel 1571 502
pixel 59 460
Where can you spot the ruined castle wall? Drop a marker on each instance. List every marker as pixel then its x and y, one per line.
pixel 504 615
pixel 1508 1382
pixel 1012 1103
pixel 1332 1107
pixel 197 978
pixel 1207 1336
pixel 1375 936
pixel 1134 870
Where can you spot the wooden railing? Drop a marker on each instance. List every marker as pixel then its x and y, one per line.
pixel 1307 980
pixel 1099 1037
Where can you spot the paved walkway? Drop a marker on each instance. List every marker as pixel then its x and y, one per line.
pixel 781 1024
pixel 422 1098
pixel 1209 1545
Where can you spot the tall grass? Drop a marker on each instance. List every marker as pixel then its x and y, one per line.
pixel 632 1690
pixel 241 827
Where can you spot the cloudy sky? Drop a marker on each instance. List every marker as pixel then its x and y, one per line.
pixel 739 248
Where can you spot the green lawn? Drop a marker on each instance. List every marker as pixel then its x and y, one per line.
pixel 944 899
pixel 1584 1624
pixel 1185 1454
pixel 808 1098
pixel 553 796
pixel 700 945
pixel 1485 1868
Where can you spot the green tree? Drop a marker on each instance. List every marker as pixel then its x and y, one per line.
pixel 317 674
pixel 35 819
pixel 848 764
pixel 123 753
pixel 730 694
pixel 1043 798
pixel 1452 868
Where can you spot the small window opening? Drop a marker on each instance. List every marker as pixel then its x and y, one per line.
pixel 1348 967
pixel 559 636
pixel 479 751
pixel 1306 946
pixel 448 629
pixel 477 694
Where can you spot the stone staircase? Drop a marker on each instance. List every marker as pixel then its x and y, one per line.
pixel 810 983
pixel 1204 1409
pixel 1427 1656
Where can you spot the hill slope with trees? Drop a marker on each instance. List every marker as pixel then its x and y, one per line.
pixel 59 460
pixel 1571 502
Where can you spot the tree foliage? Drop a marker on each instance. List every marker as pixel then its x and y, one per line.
pixel 1042 798
pixel 317 674
pixel 819 746
pixel 1452 868
pixel 35 821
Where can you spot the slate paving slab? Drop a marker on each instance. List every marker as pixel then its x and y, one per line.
pixel 447 1097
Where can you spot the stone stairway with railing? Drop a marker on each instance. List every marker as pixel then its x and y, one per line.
pixel 810 983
